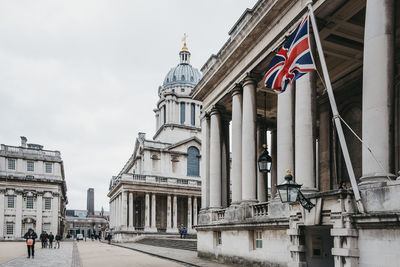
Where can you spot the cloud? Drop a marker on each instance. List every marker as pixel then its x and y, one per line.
pixel 81 77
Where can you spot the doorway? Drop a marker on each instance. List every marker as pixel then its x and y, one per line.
pixel 319 244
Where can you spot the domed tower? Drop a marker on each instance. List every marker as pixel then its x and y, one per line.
pixel 177 115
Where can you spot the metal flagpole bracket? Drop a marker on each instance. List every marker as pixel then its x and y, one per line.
pixel 335 112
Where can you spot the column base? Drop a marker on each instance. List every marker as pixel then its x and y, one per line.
pixel 150 229
pixel 191 231
pixel 378 179
pixel 248 201
pixel 172 230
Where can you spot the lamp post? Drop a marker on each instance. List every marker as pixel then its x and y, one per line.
pixel 264 161
pixel 289 192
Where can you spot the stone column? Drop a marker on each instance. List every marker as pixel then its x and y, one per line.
pixel 225 164
pixel 205 162
pixel 169 214
pixel 236 145
pixel 189 214
pixel 153 212
pixel 215 159
pixel 54 213
pixel 249 161
pixel 116 210
pixel 111 213
pixel 2 206
pixel 261 176
pixel 39 212
pixel 131 211
pixel 305 132
pixel 147 212
pixel 285 134
pixel 175 213
pixel 194 210
pixel 324 148
pixel 124 210
pixel 378 77
pixel 18 215
pixel 274 181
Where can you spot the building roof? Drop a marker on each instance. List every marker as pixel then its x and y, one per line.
pixel 183 74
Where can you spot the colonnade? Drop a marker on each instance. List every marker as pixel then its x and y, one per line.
pixel 123 214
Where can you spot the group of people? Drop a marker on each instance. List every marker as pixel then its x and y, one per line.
pixel 46 239
pixel 182 231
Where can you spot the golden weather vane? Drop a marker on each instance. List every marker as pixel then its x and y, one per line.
pixel 184 48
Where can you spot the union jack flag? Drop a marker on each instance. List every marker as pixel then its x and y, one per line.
pixel 292 61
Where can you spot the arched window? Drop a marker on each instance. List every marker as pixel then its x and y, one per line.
pixel 183 77
pixel 174 78
pixel 183 114
pixel 192 114
pixel 193 162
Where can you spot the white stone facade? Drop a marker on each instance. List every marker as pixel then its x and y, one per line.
pixel 32 190
pixel 251 226
pixel 158 189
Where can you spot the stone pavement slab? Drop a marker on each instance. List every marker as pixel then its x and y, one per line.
pixel 11 250
pixel 46 257
pixel 183 256
pixel 97 254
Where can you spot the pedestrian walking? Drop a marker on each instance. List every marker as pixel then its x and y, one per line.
pixel 184 231
pixel 43 239
pixel 51 239
pixel 30 237
pixel 58 240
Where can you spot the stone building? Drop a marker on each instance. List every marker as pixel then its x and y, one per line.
pixel 159 187
pixel 361 45
pixel 32 190
pixel 87 226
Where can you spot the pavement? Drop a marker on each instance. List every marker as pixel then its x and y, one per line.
pixel 61 257
pixel 97 254
pixel 186 257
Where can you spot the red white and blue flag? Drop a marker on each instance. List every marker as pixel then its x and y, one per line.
pixel 292 61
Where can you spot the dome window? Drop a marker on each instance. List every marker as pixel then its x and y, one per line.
pixel 183 77
pixel 174 78
pixel 182 90
pixel 167 80
pixel 191 78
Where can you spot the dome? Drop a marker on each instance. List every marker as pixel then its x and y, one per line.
pixel 183 74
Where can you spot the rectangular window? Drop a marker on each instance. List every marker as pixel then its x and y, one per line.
pixel 183 113
pixel 219 238
pixel 165 113
pixel 29 202
pixel 257 239
pixel 9 228
pixel 193 114
pixel 11 164
pixel 47 203
pixel 49 167
pixel 30 166
pixel 71 225
pixel 46 227
pixel 11 202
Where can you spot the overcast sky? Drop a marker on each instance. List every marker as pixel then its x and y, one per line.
pixel 81 76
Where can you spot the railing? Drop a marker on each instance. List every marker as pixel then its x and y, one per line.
pixel 182 181
pixel 220 215
pixel 139 177
pixel 162 180
pixel 30 151
pixel 159 180
pixel 260 209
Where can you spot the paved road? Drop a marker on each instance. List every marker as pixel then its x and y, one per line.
pixel 44 257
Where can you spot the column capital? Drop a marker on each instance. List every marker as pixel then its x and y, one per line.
pixel 237 89
pixel 215 110
pixel 250 78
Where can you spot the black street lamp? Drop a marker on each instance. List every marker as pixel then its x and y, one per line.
pixel 289 192
pixel 265 160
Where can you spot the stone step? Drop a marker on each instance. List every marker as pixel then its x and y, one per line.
pixel 170 243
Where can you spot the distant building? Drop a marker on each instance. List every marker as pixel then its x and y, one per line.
pixel 32 190
pixel 84 213
pixel 86 226
pixel 90 201
pixel 159 187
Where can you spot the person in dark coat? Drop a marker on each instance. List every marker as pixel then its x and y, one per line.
pixel 43 239
pixel 51 238
pixel 58 239
pixel 30 237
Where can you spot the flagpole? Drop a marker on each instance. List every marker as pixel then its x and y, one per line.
pixel 335 112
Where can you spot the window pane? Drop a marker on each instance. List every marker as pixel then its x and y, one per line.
pixel 165 113
pixel 30 166
pixel 183 113
pixel 47 203
pixel 11 202
pixel 193 162
pixel 11 164
pixel 49 167
pixel 10 229
pixel 29 202
pixel 192 114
